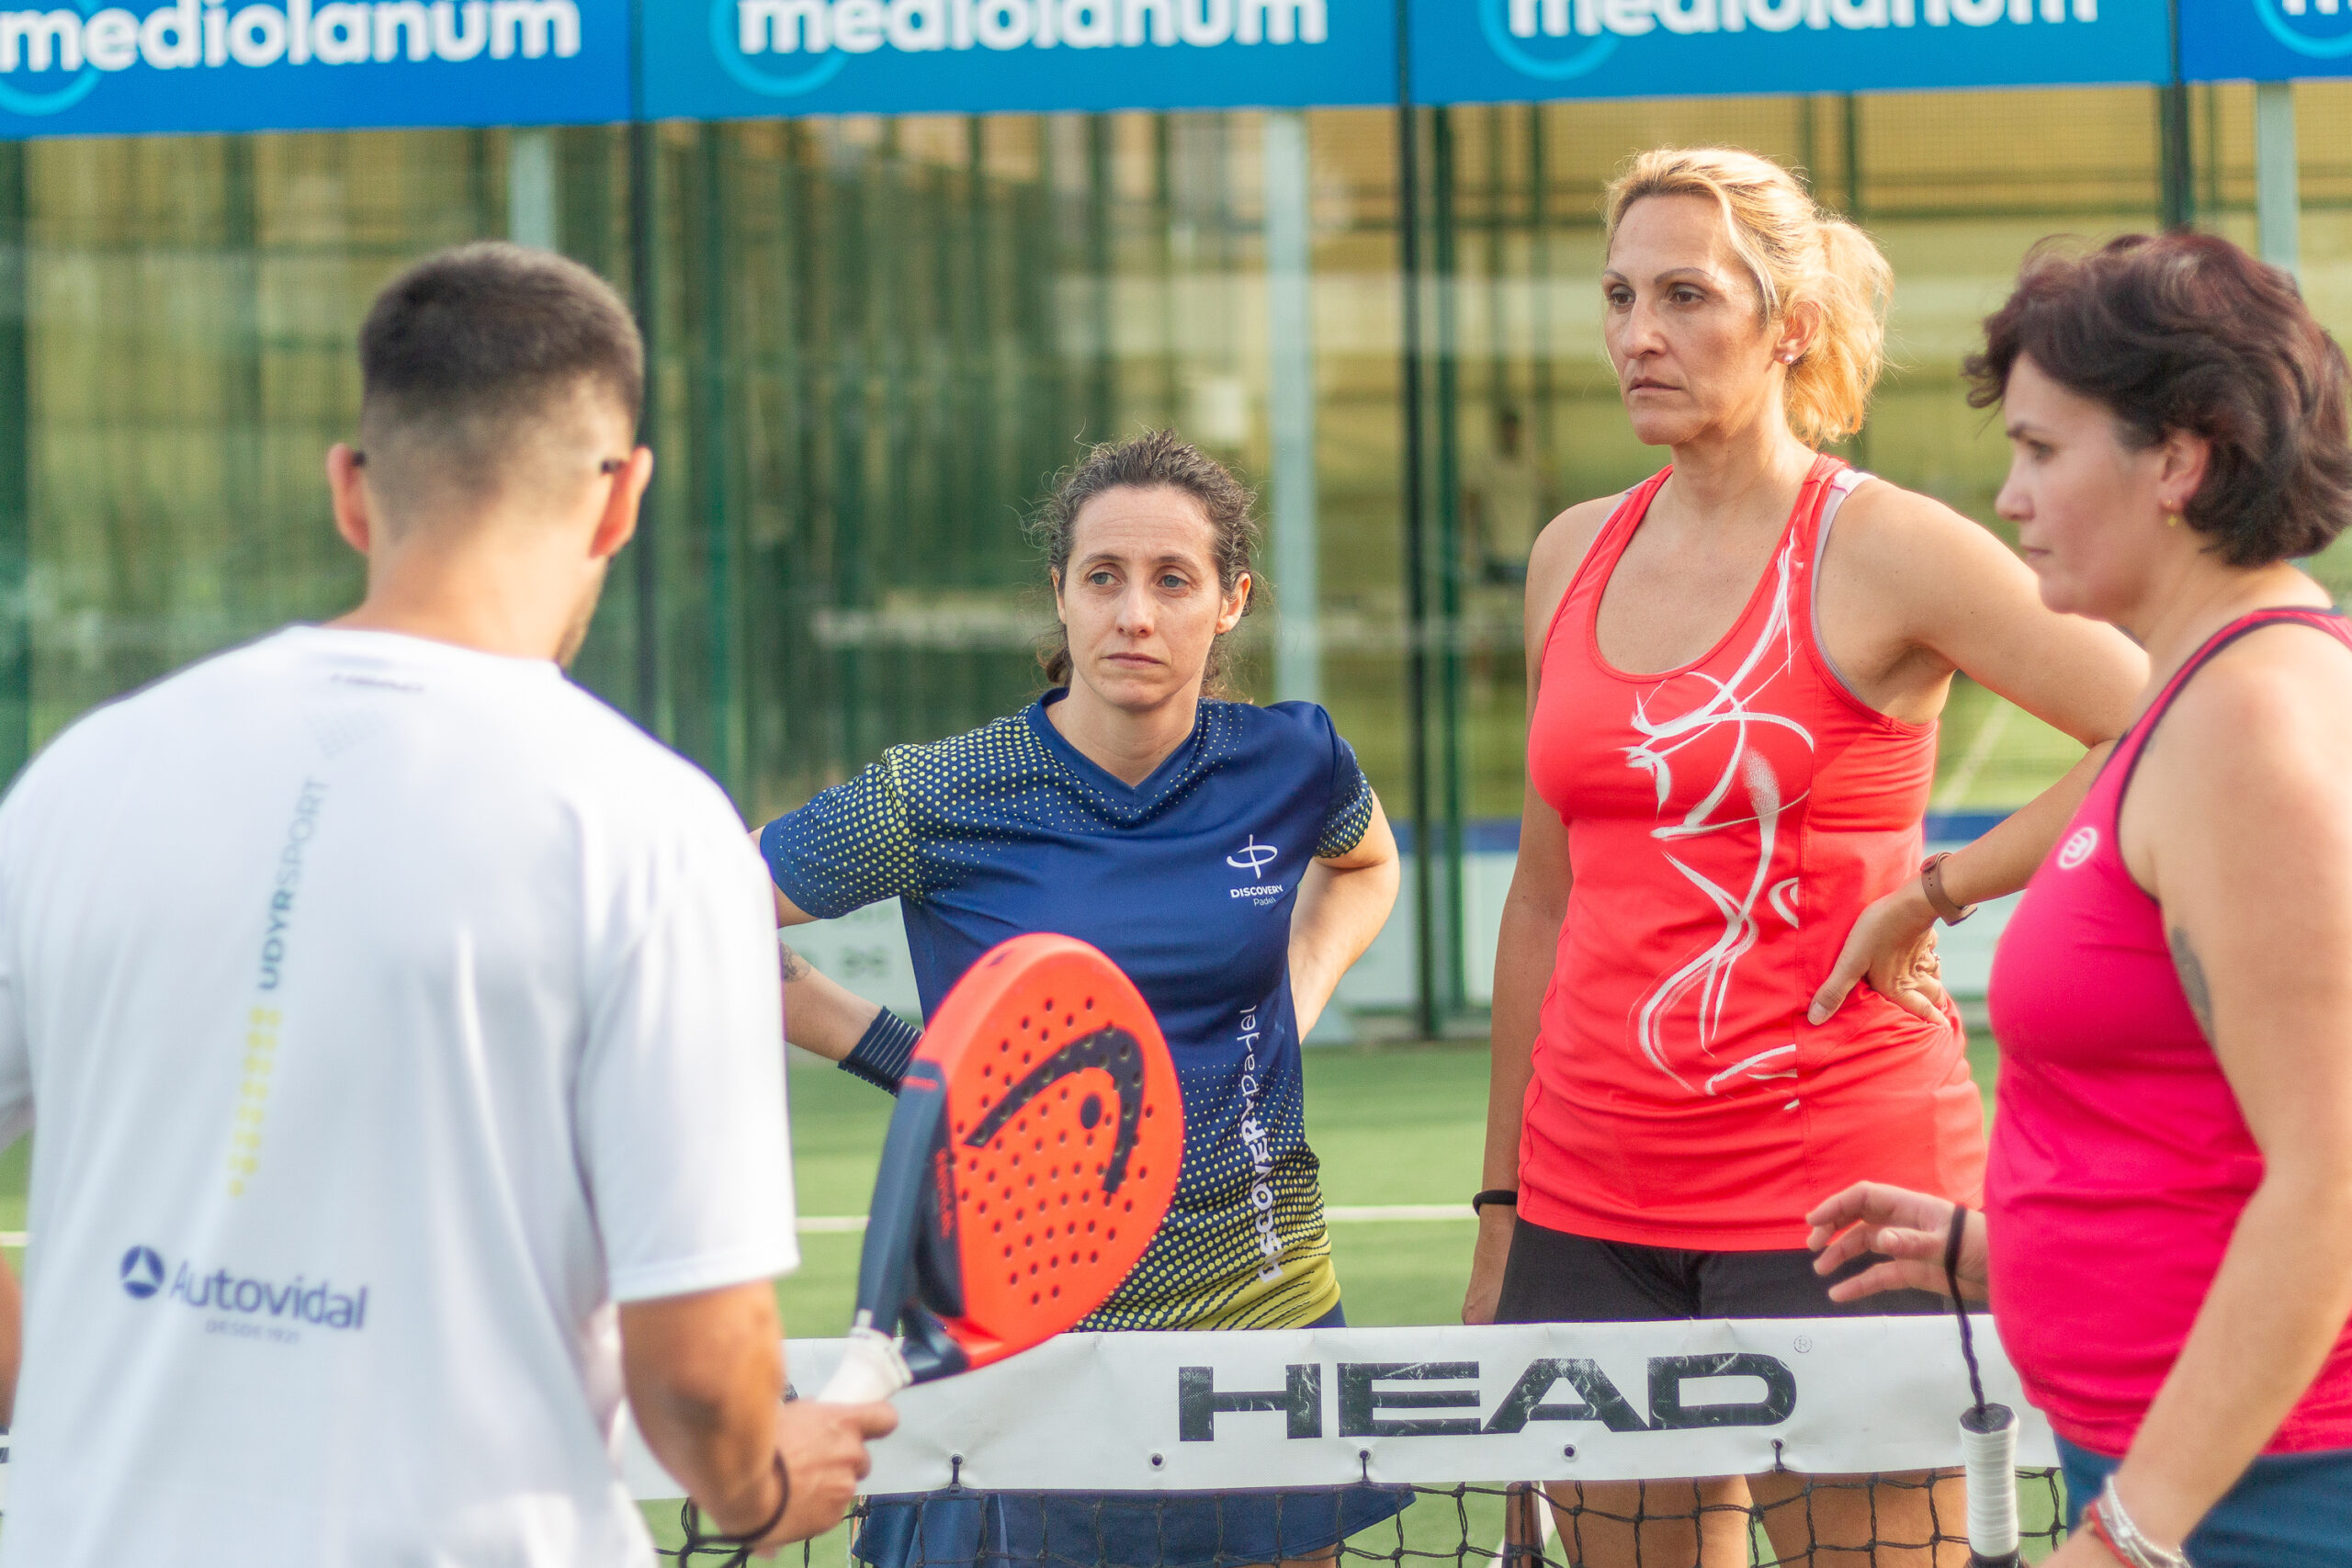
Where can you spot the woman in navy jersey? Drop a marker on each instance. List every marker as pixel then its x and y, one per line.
pixel 1232 859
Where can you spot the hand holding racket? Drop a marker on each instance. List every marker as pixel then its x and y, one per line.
pixel 1035 1148
pixel 1933 1244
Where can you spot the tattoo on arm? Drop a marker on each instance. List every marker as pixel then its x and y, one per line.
pixel 795 966
pixel 2192 980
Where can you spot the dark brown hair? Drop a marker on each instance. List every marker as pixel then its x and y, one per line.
pixel 466 350
pixel 2188 332
pixel 1158 459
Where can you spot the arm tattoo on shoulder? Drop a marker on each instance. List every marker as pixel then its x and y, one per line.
pixel 2192 980
pixel 795 966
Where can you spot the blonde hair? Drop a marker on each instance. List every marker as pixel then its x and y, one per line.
pixel 1802 258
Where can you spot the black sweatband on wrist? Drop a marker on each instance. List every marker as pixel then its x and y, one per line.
pixel 1507 1197
pixel 882 1053
pixel 750 1539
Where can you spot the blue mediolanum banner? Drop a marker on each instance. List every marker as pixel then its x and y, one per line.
pixel 81 67
pixel 722 59
pixel 84 67
pixel 1499 51
pixel 2264 40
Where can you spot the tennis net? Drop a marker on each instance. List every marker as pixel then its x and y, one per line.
pixel 1829 1442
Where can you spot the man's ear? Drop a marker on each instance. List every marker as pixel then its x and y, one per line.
pixel 622 501
pixel 348 484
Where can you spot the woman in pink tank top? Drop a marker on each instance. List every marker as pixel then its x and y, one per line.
pixel 1736 673
pixel 2169 1204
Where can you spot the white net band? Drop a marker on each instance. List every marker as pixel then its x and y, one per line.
pixel 1440 1405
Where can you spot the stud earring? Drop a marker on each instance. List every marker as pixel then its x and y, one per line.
pixel 2172 519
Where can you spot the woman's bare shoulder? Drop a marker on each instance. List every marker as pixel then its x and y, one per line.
pixel 1567 537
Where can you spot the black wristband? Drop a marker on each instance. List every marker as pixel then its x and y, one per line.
pixel 882 1053
pixel 1507 1197
pixel 750 1539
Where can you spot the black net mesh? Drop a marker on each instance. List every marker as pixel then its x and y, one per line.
pixel 1916 1521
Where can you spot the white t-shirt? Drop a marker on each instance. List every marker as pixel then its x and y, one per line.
pixel 388 1010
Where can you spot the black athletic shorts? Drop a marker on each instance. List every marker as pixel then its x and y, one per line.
pixel 1554 1277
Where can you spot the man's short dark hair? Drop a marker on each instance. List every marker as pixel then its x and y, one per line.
pixel 464 353
pixel 2188 332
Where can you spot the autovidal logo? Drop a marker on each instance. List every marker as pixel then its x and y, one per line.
pixel 296 1301
pixel 782 48
pixel 51 61
pixel 2321 28
pixel 142 1273
pixel 1559 39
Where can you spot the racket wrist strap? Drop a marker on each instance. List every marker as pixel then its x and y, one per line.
pixel 750 1539
pixel 882 1053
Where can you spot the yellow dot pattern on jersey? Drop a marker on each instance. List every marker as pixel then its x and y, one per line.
pixel 904 827
pixel 1206 1269
pixel 262 1026
pixel 1345 828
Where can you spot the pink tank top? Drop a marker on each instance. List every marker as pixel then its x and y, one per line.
pixel 2119 1162
pixel 1726 822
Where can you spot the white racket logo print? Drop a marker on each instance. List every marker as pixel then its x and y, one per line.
pixel 2078 848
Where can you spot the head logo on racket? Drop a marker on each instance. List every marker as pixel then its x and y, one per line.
pixel 1039 1135
pixel 2078 848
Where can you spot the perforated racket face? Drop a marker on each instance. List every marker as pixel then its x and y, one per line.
pixel 1068 1132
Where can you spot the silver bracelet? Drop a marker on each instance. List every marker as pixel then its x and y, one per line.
pixel 2134 1547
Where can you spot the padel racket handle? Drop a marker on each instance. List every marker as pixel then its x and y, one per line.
pixel 871 1370
pixel 1989 1443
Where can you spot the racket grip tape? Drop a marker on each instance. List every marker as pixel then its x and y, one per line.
pixel 1988 1444
pixel 872 1368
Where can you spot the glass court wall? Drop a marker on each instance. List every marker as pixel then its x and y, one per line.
pixel 876 339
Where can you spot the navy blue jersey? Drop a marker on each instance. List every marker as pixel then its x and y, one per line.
pixel 1187 881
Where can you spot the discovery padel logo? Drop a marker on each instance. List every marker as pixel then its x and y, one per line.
pixel 784 48
pixel 2319 28
pixel 1254 858
pixel 1556 40
pixel 52 60
pixel 300 1301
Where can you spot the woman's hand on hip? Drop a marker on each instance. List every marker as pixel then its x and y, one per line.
pixel 1909 1230
pixel 1892 948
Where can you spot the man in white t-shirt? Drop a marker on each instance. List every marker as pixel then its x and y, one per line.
pixel 391 1009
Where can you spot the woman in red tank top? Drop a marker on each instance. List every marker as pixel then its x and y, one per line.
pixel 1715 999
pixel 2170 1197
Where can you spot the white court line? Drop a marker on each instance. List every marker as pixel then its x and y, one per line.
pixel 1379 1213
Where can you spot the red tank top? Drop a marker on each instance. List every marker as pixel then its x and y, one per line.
pixel 2121 1162
pixel 1728 821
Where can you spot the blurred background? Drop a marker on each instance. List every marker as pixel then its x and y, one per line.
pixel 877 337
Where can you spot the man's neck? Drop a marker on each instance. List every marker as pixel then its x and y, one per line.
pixel 488 599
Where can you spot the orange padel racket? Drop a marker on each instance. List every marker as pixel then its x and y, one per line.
pixel 1035 1148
